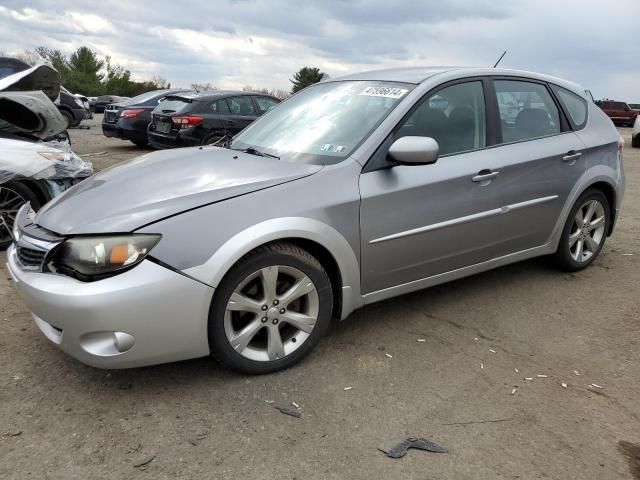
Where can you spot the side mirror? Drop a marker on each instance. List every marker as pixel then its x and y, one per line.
pixel 414 150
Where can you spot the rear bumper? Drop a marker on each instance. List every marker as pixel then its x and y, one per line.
pixel 160 141
pixel 124 130
pixel 162 314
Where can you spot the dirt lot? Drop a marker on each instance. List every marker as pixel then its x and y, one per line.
pixel 60 419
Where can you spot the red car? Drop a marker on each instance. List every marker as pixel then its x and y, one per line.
pixel 619 112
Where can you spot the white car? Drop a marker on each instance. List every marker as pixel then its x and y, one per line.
pixel 635 134
pixel 36 163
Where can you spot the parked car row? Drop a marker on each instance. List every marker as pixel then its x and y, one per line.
pixel 183 118
pixel 619 112
pixel 354 190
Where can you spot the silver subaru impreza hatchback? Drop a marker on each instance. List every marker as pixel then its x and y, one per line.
pixel 354 190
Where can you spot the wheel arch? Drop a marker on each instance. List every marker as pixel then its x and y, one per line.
pixel 609 192
pixel 322 241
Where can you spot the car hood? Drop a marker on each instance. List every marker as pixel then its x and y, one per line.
pixel 161 184
pixel 26 102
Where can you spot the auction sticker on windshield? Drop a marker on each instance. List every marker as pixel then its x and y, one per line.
pixel 386 92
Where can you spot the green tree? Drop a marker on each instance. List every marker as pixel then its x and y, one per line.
pixel 84 72
pixel 304 77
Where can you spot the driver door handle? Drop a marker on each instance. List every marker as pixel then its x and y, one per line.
pixel 485 175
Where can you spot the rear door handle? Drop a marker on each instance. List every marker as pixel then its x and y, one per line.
pixel 485 176
pixel 571 157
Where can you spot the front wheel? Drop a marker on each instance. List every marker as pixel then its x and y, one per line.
pixel 270 310
pixel 585 232
pixel 13 196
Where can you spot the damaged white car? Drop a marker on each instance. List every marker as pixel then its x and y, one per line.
pixel 36 160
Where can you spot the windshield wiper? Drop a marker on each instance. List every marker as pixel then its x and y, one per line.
pixel 253 151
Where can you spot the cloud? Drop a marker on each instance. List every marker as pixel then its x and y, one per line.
pixel 263 42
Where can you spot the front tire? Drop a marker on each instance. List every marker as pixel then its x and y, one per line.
pixel 635 141
pixel 13 195
pixel 585 232
pixel 270 310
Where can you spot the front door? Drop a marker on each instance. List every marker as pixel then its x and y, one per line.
pixel 424 220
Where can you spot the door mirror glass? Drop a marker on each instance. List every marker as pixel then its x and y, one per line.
pixel 414 150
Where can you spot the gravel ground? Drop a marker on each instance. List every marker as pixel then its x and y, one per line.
pixel 464 387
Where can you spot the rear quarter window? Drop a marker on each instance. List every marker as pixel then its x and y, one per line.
pixel 574 105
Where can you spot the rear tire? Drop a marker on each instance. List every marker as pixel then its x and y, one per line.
pixel 140 143
pixel 68 118
pixel 585 232
pixel 270 310
pixel 12 196
pixel 635 141
pixel 213 139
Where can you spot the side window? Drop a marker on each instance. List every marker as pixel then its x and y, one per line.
pixel 220 107
pixel 454 117
pixel 265 104
pixel 526 110
pixel 241 106
pixel 574 105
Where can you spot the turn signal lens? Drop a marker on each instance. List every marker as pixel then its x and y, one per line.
pixel 187 122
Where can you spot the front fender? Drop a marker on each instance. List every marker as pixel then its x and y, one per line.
pixel 213 270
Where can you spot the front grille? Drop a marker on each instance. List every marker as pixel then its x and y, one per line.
pixel 31 257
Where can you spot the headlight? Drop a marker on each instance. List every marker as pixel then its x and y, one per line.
pixel 92 258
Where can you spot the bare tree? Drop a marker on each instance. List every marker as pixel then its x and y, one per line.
pixel 202 87
pixel 160 82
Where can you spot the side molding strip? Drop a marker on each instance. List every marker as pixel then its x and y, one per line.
pixel 465 219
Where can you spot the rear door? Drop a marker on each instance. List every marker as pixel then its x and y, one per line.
pixel 264 104
pixel 540 159
pixel 241 113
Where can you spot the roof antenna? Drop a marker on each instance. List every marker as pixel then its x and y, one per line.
pixel 500 59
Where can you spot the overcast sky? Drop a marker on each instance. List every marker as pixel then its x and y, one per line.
pixel 232 43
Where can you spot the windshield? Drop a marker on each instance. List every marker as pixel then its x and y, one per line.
pixel 323 123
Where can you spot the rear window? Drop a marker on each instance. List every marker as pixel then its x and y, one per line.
pixel 574 105
pixel 173 105
pixel 143 97
pixel 527 110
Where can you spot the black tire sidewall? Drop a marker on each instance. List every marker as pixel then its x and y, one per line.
pixel 68 117
pixel 220 347
pixel 563 255
pixel 25 193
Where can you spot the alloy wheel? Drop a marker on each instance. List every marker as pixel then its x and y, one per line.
pixel 10 203
pixel 271 313
pixel 587 231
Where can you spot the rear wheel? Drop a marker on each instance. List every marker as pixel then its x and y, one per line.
pixel 140 143
pixel 585 231
pixel 214 139
pixel 13 196
pixel 67 117
pixel 270 310
pixel 635 141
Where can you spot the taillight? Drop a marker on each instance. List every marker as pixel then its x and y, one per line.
pixel 135 113
pixel 187 122
pixel 620 145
